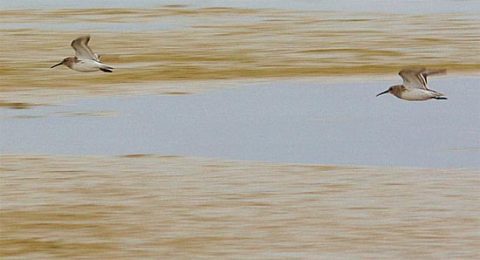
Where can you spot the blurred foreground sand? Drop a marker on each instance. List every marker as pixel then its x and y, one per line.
pixel 162 206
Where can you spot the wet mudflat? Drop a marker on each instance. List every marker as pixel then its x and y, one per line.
pixel 160 206
pixel 222 134
pixel 180 43
pixel 141 205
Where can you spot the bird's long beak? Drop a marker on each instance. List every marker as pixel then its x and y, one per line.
pixel 58 64
pixel 384 92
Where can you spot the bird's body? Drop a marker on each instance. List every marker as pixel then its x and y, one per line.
pixel 87 66
pixel 414 94
pixel 85 59
pixel 414 87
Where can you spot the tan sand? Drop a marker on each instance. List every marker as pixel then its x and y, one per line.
pixel 207 43
pixel 163 207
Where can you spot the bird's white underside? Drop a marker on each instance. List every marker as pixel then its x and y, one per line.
pixel 414 94
pixel 87 66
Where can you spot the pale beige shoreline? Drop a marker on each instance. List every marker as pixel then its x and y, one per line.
pixel 166 206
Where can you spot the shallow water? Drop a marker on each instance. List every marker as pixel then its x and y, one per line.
pixel 296 121
pixel 389 6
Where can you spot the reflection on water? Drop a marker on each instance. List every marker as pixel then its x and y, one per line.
pixel 300 121
pixel 164 207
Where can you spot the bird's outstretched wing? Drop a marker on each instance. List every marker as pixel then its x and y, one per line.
pixel 426 73
pixel 82 51
pixel 417 78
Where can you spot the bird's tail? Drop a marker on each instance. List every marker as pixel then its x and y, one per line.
pixel 106 68
pixel 437 95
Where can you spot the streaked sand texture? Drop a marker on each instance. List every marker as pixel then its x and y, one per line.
pixel 184 43
pixel 163 207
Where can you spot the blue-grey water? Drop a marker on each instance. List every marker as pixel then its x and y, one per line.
pixel 295 121
pixel 388 6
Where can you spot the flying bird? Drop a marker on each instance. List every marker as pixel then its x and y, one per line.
pixel 414 87
pixel 85 59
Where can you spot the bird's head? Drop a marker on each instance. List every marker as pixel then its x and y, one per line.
pixel 389 90
pixel 67 61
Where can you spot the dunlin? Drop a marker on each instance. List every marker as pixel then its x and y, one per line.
pixel 414 87
pixel 85 59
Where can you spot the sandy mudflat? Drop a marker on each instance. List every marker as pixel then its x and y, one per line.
pixel 180 43
pixel 177 50
pixel 161 206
